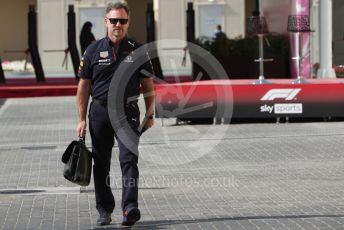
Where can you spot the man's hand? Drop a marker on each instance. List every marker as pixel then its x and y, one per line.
pixel 149 96
pixel 149 122
pixel 81 129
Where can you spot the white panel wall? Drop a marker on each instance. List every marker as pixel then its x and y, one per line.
pixel 96 16
pixel 172 16
pixel 235 18
pixel 276 13
pixel 13 18
pixel 171 24
pixel 170 19
pixel 209 16
pixel 52 28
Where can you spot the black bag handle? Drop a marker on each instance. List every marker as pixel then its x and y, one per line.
pixel 82 139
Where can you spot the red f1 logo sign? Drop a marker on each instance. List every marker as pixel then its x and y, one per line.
pixel 287 94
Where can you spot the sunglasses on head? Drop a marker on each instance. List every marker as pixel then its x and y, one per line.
pixel 114 21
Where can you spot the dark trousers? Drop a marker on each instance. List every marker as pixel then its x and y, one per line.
pixel 102 135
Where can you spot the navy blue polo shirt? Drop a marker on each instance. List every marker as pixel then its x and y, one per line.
pixel 101 59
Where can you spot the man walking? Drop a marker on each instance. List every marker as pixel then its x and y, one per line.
pixel 100 61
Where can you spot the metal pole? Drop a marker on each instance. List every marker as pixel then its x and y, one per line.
pixel 261 56
pixel 299 58
pixel 74 54
pixel 2 75
pixel 33 48
pixel 298 54
pixel 261 60
pixel 190 37
pixel 300 35
pixel 326 70
pixel 150 21
pixel 190 23
pixel 256 11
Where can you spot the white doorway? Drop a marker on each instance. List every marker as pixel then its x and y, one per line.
pixel 209 17
pixel 95 15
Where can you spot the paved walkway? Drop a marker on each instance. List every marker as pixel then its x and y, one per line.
pixel 243 176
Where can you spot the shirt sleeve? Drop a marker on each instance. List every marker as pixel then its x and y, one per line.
pixel 85 66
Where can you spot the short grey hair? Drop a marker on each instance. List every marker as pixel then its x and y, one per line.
pixel 118 6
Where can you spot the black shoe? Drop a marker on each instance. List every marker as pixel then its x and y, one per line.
pixel 104 218
pixel 131 216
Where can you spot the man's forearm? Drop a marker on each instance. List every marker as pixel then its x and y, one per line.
pixel 149 101
pixel 83 95
pixel 149 95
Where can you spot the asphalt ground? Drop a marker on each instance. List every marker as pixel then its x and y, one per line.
pixel 238 176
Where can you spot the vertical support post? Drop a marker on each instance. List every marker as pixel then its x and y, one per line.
pixel 261 56
pixel 2 75
pixel 33 48
pixel 150 21
pixel 257 26
pixel 256 11
pixel 261 60
pixel 190 37
pixel 326 70
pixel 299 58
pixel 300 55
pixel 190 23
pixel 74 54
pixel 260 7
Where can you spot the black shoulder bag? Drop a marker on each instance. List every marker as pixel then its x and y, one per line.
pixel 78 163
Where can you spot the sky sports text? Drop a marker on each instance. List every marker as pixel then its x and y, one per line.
pixel 282 108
